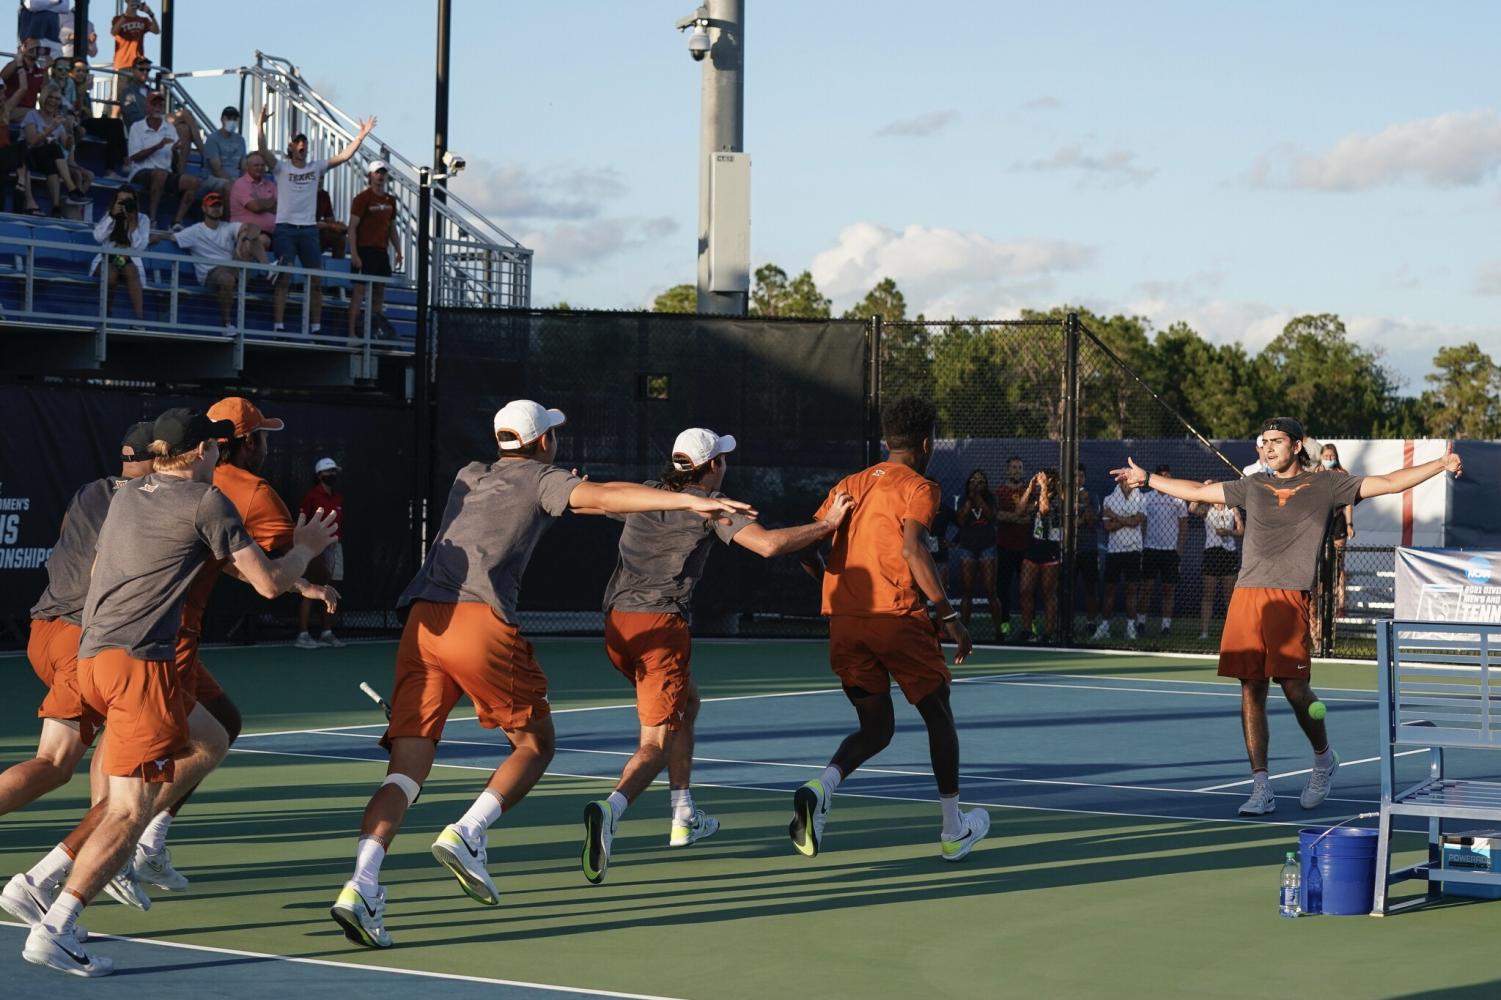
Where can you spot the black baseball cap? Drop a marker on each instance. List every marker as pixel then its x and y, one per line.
pixel 138 439
pixel 1287 425
pixel 184 429
pixel 230 111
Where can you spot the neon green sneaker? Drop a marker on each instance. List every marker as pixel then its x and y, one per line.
pixel 362 918
pixel 599 832
pixel 467 863
pixel 810 810
pixel 696 829
pixel 973 826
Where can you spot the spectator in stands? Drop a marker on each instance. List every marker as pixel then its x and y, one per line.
pixel 130 30
pixel 975 541
pixel 13 159
pixel 1341 529
pixel 1162 550
pixel 214 240
pixel 1122 517
pixel 1087 554
pixel 40 19
pixel 333 235
pixel 58 68
pixel 110 130
pixel 25 75
pixel 132 93
pixel 124 227
pixel 150 143
pixel 296 238
pixel 1012 534
pixel 372 231
pixel 1042 502
pixel 67 34
pixel 49 144
pixel 1222 526
pixel 252 198
pixel 224 152
pixel 330 565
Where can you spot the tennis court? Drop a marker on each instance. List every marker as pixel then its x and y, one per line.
pixel 1115 864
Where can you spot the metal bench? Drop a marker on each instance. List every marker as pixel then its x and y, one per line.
pixel 1437 683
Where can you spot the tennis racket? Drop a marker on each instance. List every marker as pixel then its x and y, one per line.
pixel 371 693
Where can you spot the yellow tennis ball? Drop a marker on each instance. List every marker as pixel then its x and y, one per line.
pixel 1317 710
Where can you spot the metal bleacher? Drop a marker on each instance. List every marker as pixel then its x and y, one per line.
pixel 1438 692
pixel 54 317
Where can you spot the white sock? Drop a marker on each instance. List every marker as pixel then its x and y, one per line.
pixel 830 779
pixel 950 804
pixel 53 868
pixel 1324 761
pixel 1141 619
pixel 480 817
pixel 367 862
pixel 618 805
pixel 1259 777
pixel 63 914
pixel 1167 623
pixel 155 836
pixel 682 804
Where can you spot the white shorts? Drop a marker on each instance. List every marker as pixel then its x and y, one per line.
pixel 333 558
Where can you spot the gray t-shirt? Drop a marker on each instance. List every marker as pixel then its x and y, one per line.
pixel 662 557
pixel 72 557
pixel 160 529
pixel 494 517
pixel 229 150
pixel 1285 521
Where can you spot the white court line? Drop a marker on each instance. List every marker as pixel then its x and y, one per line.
pixel 845 793
pixel 1225 683
pixel 1009 682
pixel 331 964
pixel 1293 774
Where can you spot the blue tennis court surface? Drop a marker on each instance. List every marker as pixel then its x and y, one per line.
pixel 1084 744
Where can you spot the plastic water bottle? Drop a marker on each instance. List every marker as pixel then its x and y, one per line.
pixel 1291 902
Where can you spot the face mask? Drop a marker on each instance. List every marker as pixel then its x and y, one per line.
pixel 231 127
pixel 1327 463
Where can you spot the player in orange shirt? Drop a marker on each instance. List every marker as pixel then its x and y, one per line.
pixel 877 575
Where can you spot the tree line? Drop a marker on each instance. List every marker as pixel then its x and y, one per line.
pixel 1312 369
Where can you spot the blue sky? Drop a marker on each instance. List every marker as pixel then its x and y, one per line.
pixel 1229 166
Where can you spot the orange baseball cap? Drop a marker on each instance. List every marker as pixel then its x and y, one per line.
pixel 245 415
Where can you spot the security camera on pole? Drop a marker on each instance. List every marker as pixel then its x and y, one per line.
pixel 717 40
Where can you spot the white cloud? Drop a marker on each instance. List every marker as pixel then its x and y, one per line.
pixel 571 247
pixel 919 126
pixel 1044 103
pixel 945 272
pixel 1114 166
pixel 1488 278
pixel 1456 149
pixel 509 191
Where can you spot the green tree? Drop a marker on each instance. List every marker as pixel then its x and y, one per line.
pixel 773 294
pixel 884 300
pixel 1465 398
pixel 677 299
pixel 1315 372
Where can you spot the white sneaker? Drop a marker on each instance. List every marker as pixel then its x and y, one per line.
pixel 156 869
pixel 696 829
pixel 1261 802
pixel 973 826
pixel 64 953
pixel 467 863
pixel 29 901
pixel 327 638
pixel 124 888
pixel 1320 781
pixel 599 833
pixel 305 641
pixel 810 811
pixel 1103 632
pixel 1203 636
pixel 362 919
pixel 1130 630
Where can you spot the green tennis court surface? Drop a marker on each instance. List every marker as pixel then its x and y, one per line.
pixel 1115 864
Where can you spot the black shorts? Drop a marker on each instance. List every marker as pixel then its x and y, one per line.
pixel 375 261
pixel 1043 553
pixel 1122 564
pixel 43 159
pixel 1087 564
pixel 1160 564
pixel 1221 562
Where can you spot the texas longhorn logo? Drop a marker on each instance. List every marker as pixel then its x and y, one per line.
pixel 1284 495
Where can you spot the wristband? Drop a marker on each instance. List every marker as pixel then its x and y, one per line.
pixel 949 617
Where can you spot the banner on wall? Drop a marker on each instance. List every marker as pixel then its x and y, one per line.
pixel 1449 585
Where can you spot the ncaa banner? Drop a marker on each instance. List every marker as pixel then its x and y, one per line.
pixel 1449 585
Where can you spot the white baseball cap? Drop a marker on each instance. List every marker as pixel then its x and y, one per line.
pixel 325 465
pixel 698 446
pixel 376 165
pixel 527 420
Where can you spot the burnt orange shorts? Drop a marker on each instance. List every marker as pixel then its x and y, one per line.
pixel 451 649
pixel 195 685
pixel 53 651
pixel 139 703
pixel 652 651
pixel 870 653
pixel 1266 634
